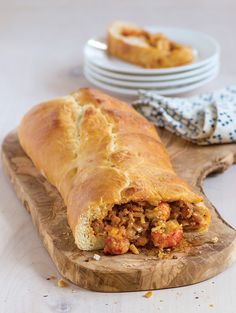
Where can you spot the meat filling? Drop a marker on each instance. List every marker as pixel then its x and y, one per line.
pixel 141 224
pixel 157 40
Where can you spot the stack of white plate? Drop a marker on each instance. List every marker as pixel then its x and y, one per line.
pixel 114 75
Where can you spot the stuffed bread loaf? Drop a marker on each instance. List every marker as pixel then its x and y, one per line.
pixel 112 171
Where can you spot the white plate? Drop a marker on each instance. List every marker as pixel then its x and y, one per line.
pixel 163 91
pixel 206 47
pixel 147 78
pixel 144 85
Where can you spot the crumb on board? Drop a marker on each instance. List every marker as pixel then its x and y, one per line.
pixel 62 284
pixel 51 277
pixel 211 305
pixel 96 257
pixel 161 254
pixel 133 249
pixel 148 294
pixel 214 239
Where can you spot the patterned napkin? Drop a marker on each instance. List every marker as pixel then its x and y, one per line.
pixel 206 119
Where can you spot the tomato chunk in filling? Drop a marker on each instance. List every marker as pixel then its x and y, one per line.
pixel 116 241
pixel 167 235
pixel 142 224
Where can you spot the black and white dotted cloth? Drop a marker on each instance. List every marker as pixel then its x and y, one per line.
pixel 206 119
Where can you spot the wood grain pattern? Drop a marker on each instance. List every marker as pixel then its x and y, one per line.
pixel 126 272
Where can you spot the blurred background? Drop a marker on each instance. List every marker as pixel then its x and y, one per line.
pixel 42 42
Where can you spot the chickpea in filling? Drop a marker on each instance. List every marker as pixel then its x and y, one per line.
pixel 142 224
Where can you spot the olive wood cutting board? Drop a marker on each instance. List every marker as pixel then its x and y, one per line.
pixel 206 258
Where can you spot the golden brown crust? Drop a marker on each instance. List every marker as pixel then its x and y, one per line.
pixel 98 151
pixel 137 50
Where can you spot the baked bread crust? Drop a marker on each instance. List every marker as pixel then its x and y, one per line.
pixel 98 151
pixel 135 45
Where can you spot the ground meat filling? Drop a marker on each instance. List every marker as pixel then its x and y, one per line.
pixel 140 224
pixel 157 40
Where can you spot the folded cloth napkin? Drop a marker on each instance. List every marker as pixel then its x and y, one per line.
pixel 206 119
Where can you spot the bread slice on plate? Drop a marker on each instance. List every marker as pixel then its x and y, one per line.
pixel 150 50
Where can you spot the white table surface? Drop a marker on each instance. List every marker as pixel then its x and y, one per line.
pixel 40 57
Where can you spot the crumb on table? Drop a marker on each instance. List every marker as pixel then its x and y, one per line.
pixel 51 277
pixel 148 294
pixel 62 284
